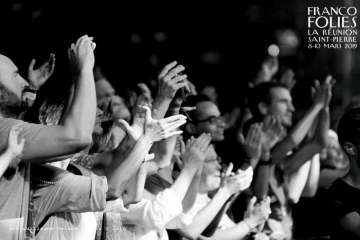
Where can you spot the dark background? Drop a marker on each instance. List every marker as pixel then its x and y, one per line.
pixel 221 44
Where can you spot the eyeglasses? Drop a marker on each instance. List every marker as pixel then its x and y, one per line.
pixel 211 120
pixel 218 159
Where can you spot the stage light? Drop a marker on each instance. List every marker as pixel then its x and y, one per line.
pixel 273 50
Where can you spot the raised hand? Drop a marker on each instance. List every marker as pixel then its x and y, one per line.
pixel 257 213
pixel 288 79
pixel 233 183
pixel 153 130
pixel 252 143
pixel 245 177
pixel 81 54
pixel 196 151
pixel 145 91
pixel 15 147
pixel 322 92
pixel 273 132
pixel 37 77
pixel 170 81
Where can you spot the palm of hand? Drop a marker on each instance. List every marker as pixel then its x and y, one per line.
pixel 193 156
pixel 39 76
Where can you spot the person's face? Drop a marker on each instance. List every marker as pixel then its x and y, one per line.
pixel 281 105
pixel 210 175
pixel 13 84
pixel 208 120
pixel 119 109
pixel 104 91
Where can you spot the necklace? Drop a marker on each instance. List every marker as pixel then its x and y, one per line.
pixel 51 183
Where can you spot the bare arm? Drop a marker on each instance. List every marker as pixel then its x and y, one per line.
pixel 75 133
pixel 296 135
pixel 134 191
pixel 120 164
pixel 318 142
pixel 205 215
pixel 351 224
pixel 312 182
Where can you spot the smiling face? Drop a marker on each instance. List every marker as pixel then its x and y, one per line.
pixel 208 120
pixel 211 175
pixel 12 87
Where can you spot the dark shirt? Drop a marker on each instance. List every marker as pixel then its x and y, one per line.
pixel 342 200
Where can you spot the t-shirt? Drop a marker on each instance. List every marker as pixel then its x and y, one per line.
pixel 15 186
pixel 342 199
pixel 57 190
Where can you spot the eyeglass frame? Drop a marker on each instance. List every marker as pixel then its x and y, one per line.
pixel 209 119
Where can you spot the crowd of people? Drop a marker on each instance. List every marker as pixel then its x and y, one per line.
pixel 167 164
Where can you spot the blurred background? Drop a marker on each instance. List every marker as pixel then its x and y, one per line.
pixel 220 44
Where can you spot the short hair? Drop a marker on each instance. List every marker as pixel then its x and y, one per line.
pixel 192 101
pixel 348 129
pixel 261 93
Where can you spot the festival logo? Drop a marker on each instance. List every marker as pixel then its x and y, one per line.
pixel 332 27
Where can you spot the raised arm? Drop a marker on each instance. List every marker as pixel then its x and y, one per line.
pixel 257 215
pixel 319 141
pixel 75 132
pixel 120 165
pixel 299 131
pixel 230 185
pixel 312 182
pixel 169 83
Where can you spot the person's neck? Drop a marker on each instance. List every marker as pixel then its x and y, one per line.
pixel 353 176
pixel 166 172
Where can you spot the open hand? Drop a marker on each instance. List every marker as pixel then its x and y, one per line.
pixel 170 81
pixel 153 130
pixel 37 77
pixel 81 54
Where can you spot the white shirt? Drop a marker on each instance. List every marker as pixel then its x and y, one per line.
pixel 149 218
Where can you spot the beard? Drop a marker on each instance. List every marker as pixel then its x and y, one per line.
pixel 10 104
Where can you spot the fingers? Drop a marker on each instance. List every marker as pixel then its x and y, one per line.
pixel 178 161
pixel 188 142
pixel 144 88
pixel 175 71
pixel 229 169
pixel 179 79
pixel 124 125
pixel 174 125
pixel 167 135
pixel 241 138
pixel 167 68
pixel 317 84
pixel 182 146
pixel 32 64
pixel 147 112
pixel 173 118
pixel 251 204
pixel 52 63
pixel 202 140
